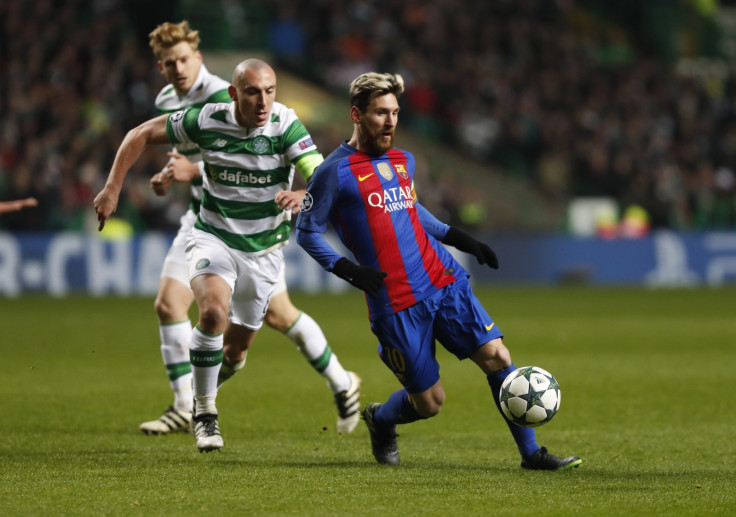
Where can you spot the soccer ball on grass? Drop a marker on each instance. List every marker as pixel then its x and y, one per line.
pixel 530 396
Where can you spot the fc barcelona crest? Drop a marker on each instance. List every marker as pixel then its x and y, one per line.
pixel 385 170
pixel 401 170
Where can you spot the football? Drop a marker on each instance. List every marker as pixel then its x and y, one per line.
pixel 530 396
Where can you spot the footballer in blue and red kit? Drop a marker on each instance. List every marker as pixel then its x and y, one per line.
pixel 372 205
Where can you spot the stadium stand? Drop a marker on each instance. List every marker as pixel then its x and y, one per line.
pixel 541 102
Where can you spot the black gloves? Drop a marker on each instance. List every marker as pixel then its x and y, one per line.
pixel 371 280
pixel 464 242
pixel 365 278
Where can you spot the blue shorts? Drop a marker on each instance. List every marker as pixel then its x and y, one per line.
pixel 453 316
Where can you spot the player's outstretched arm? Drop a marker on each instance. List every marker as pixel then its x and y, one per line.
pixel 17 204
pixel 150 132
pixel 464 242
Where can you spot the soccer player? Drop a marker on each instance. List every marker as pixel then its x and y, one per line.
pixel 17 204
pixel 250 148
pixel 416 291
pixel 192 85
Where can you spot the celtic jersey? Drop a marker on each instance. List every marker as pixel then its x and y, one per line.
pixel 206 88
pixel 245 168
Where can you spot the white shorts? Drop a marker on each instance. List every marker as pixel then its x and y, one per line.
pixel 281 281
pixel 251 278
pixel 176 265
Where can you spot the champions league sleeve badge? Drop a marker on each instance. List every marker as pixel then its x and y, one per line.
pixel 307 203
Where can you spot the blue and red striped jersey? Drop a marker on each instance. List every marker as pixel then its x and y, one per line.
pixel 372 205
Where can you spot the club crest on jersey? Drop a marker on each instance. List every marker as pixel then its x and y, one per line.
pixel 385 170
pixel 307 202
pixel 401 170
pixel 260 144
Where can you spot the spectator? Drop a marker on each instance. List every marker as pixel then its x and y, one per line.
pixel 547 92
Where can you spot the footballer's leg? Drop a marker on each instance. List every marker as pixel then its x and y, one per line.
pixel 237 341
pixel 406 348
pixel 175 330
pixel 206 350
pixel 495 361
pixel 460 327
pixel 298 326
pixel 400 408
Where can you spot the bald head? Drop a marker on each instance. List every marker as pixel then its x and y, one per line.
pixel 253 91
pixel 251 64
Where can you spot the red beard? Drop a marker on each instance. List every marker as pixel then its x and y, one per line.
pixel 373 142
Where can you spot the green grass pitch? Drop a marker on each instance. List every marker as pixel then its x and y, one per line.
pixel 646 379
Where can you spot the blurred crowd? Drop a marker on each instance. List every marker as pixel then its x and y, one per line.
pixel 540 90
pixel 75 78
pixel 546 91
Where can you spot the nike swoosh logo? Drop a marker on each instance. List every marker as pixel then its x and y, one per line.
pixel 489 327
pixel 363 178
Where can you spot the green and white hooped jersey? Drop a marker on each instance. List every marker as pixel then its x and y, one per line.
pixel 207 88
pixel 245 169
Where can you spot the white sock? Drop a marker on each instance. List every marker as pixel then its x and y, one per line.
pixel 175 338
pixel 206 357
pixel 205 404
pixel 183 397
pixel 228 370
pixel 312 343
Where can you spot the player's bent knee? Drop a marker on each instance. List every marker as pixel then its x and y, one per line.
pixel 164 309
pixel 213 317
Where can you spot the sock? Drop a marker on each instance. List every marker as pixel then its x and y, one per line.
pixel 175 338
pixel 205 352
pixel 396 410
pixel 228 370
pixel 312 343
pixel 525 437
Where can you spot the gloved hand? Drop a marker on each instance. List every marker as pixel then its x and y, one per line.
pixel 464 242
pixel 365 278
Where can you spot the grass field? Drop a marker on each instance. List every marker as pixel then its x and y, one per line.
pixel 645 377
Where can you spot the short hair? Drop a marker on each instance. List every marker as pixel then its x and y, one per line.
pixel 372 84
pixel 251 63
pixel 169 34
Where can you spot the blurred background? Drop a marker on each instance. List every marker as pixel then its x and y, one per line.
pixel 587 141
